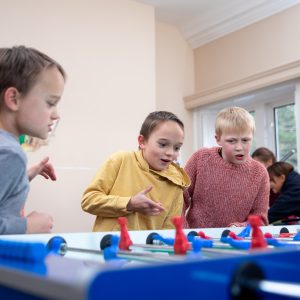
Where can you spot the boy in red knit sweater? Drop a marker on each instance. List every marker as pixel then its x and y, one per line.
pixel 227 184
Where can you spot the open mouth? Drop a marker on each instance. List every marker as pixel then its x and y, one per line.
pixel 239 156
pixel 165 161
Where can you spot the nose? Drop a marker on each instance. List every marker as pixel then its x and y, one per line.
pixel 171 152
pixel 55 115
pixel 239 145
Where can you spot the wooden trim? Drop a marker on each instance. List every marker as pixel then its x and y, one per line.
pixel 245 85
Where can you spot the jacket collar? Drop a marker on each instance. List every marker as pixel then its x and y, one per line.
pixel 173 173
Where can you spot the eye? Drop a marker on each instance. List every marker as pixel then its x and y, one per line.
pixel 162 145
pixel 177 148
pixel 230 141
pixel 51 104
pixel 245 140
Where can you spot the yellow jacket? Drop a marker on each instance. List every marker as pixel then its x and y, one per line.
pixel 124 175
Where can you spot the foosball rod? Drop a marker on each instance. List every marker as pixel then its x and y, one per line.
pixel 137 256
pixel 278 288
pixel 157 240
pixel 210 252
pixel 58 245
pixel 207 251
pixel 249 282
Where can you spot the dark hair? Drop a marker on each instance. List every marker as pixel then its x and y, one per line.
pixel 155 118
pixel 264 154
pixel 20 67
pixel 279 168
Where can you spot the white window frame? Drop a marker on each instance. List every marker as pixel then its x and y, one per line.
pixel 263 103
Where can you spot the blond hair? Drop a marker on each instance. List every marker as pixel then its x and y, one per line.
pixel 234 119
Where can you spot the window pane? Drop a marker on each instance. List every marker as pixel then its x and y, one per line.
pixel 285 130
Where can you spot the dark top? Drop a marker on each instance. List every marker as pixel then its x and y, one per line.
pixel 288 201
pixel 272 198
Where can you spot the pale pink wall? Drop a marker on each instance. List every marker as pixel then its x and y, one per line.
pixel 175 78
pixel 108 50
pixel 260 47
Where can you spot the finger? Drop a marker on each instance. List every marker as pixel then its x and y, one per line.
pixel 151 212
pixel 44 161
pixel 44 175
pixel 153 205
pixel 157 206
pixel 49 171
pixel 53 177
pixel 147 190
pixel 161 206
pixel 155 212
pixel 52 173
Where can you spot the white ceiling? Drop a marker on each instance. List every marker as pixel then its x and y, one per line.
pixel 202 21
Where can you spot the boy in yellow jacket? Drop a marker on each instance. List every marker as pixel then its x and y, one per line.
pixel 146 186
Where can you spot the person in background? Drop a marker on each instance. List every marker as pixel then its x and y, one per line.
pixel 146 186
pixel 227 185
pixel 285 182
pixel 31 86
pixel 264 156
pixel 267 158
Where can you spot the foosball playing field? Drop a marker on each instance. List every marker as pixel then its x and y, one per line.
pixel 252 262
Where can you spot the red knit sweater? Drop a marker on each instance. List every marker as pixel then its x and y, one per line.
pixel 223 194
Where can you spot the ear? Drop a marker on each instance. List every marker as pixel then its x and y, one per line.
pixel 217 137
pixel 141 141
pixel 282 177
pixel 269 163
pixel 11 98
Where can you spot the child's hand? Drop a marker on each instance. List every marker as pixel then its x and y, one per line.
pixel 43 168
pixel 39 223
pixel 142 204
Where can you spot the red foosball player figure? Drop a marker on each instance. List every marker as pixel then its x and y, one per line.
pixel 125 241
pixel 258 240
pixel 203 235
pixel 181 244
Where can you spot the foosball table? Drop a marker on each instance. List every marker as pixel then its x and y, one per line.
pixel 253 262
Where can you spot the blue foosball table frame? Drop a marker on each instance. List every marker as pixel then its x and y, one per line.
pixel 80 276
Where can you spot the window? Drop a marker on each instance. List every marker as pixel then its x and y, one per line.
pixel 285 133
pixel 274 110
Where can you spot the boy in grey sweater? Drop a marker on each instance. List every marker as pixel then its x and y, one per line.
pixel 31 85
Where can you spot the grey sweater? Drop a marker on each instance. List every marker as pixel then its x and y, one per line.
pixel 14 184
